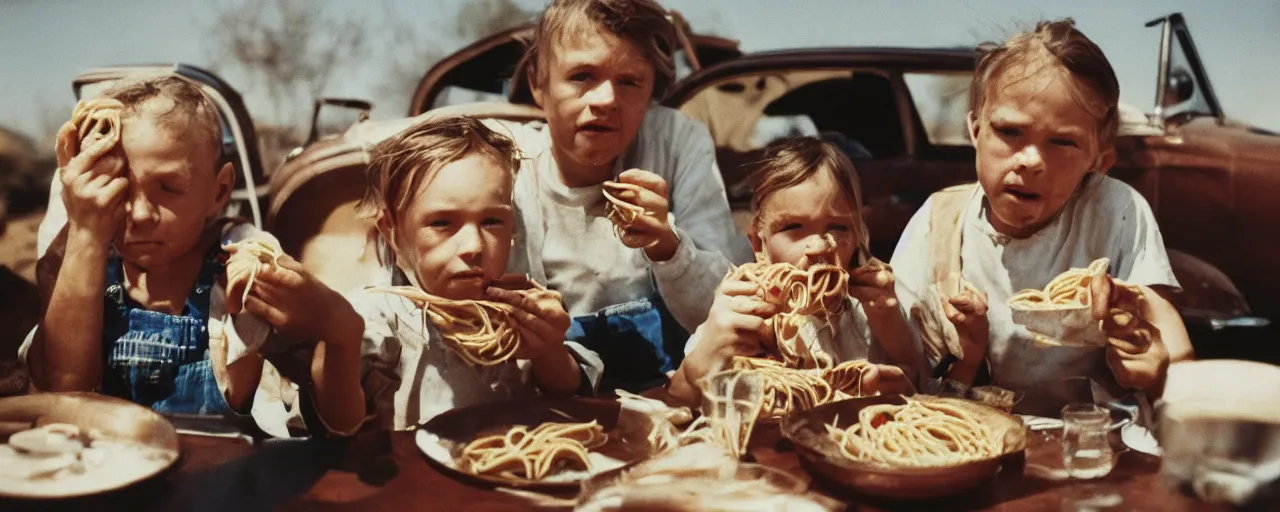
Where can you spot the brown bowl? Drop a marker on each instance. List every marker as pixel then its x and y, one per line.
pixel 113 417
pixel 458 427
pixel 820 455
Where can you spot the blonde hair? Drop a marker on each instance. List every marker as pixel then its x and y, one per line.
pixel 191 108
pixel 1073 51
pixel 642 22
pixel 400 164
pixel 793 161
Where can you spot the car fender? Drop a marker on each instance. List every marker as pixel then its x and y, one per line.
pixel 1207 293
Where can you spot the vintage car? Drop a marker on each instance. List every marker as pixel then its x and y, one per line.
pixel 898 111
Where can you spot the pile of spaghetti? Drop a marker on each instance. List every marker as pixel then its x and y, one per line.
pixel 247 257
pixel 1069 290
pixel 481 332
pixel 621 213
pixel 97 119
pixel 929 433
pixel 533 454
pixel 806 376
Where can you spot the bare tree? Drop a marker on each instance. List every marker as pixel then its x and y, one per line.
pixel 414 52
pixel 286 52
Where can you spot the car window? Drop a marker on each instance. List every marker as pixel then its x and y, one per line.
pixel 855 110
pixel 454 95
pixel 942 99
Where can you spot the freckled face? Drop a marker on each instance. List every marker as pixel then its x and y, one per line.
pixel 1035 142
pixel 596 91
pixel 456 233
pixel 175 187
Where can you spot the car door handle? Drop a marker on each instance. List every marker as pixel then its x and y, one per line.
pixel 1240 321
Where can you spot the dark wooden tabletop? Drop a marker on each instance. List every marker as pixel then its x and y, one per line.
pixel 386 471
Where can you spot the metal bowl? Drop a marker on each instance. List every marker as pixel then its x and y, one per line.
pixel 112 418
pixel 820 455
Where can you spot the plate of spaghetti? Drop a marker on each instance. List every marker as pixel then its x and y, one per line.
pixel 1062 312
pixel 899 447
pixel 546 445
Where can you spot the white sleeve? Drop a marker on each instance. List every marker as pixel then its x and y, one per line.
pixel 55 216
pixel 911 263
pixel 1142 258
pixel 704 225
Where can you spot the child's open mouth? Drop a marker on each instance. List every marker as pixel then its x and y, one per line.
pixel 1022 194
pixel 596 128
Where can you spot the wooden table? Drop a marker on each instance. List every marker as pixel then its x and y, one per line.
pixel 386 471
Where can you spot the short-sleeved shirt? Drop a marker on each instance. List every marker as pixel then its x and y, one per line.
pixel 410 376
pixel 1105 218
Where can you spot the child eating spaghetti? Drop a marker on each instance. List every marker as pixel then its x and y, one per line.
pixel 807 213
pixel 140 303
pixel 1043 121
pixel 449 334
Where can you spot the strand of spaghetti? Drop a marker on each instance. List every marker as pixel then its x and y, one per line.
pixel 247 257
pixel 532 454
pixel 918 434
pixel 1068 289
pixel 480 332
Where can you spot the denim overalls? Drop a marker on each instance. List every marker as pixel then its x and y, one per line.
pixel 638 341
pixel 160 360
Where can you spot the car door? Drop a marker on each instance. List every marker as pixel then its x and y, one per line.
pixel 239 140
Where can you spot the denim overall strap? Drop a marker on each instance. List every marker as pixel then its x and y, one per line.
pixel 157 359
pixel 638 341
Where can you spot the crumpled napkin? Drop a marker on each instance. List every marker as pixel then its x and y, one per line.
pixel 939 335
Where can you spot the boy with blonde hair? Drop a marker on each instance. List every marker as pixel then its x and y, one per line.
pixel 138 300
pixel 594 68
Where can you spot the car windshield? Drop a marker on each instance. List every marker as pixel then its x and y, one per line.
pixel 942 99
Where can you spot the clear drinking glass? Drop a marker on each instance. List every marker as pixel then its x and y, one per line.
pixel 1086 447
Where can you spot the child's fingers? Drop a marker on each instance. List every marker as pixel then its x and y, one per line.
pixel 265 311
pixel 1100 289
pixel 84 161
pixel 542 328
pixel 645 179
pixel 753 306
pixel 739 288
pixel 67 143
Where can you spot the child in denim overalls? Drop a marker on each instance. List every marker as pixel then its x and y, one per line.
pixel 138 305
pixel 807 209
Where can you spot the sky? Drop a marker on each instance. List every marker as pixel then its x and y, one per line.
pixel 48 42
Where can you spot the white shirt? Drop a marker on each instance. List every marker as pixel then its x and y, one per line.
pixel 410 376
pixel 1104 219
pixel 564 240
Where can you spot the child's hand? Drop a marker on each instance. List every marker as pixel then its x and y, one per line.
pixel 873 285
pixel 885 379
pixel 1135 352
pixel 299 306
pixel 736 325
pixel 94 188
pixel 539 317
pixel 649 231
pixel 968 311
